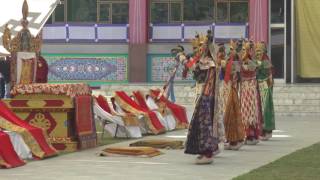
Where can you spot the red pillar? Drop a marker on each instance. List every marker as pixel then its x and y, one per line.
pixel 138 39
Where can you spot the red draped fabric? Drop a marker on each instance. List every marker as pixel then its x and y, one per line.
pixel 7 152
pixel 85 124
pixel 37 133
pixel 155 123
pixel 178 111
pixel 103 103
pixel 228 72
pixel 141 100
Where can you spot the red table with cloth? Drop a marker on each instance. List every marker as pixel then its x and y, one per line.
pixel 63 110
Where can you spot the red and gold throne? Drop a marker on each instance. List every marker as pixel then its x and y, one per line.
pixel 63 110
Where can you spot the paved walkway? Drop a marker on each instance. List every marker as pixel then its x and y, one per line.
pixel 293 133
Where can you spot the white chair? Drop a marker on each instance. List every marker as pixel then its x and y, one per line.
pixel 170 122
pixel 115 125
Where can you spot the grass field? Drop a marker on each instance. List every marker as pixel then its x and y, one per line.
pixel 107 139
pixel 303 164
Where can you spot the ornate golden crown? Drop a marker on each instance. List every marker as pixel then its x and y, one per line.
pixel 260 46
pixel 14 44
pixel 199 40
pixel 246 45
pixel 233 44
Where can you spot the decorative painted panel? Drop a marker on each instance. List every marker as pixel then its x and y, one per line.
pixel 85 33
pixel 185 32
pixel 160 66
pixel 94 69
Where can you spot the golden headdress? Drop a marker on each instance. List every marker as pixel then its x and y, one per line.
pixel 199 40
pixel 260 46
pixel 246 45
pixel 233 45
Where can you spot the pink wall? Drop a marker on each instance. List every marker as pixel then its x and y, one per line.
pixel 259 20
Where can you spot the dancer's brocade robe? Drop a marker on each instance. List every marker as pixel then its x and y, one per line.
pixel 250 100
pixel 203 136
pixel 234 126
pixel 264 78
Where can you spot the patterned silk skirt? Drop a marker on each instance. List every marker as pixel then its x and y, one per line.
pixel 250 107
pixel 234 126
pixel 200 138
pixel 267 106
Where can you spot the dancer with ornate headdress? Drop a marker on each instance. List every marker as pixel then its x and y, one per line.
pixel 234 126
pixel 249 96
pixel 202 139
pixel 221 91
pixel 265 82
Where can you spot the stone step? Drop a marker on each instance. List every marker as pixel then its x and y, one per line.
pixel 288 98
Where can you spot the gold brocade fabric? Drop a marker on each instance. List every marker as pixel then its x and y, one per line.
pixel 131 151
pixel 70 90
pixel 27 71
pixel 130 120
pixel 27 137
pixel 308 37
pixel 199 88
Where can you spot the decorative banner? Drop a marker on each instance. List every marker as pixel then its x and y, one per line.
pixel 91 33
pixel 159 67
pixel 92 69
pixel 230 31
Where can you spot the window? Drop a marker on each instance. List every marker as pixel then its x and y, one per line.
pixel 120 13
pixel 198 10
pixel 277 51
pixel 59 14
pixel 239 12
pixel 104 13
pixel 101 11
pixel 159 12
pixel 277 11
pixel 113 11
pixel 220 11
pixel 176 12
pixel 165 11
pixel 82 10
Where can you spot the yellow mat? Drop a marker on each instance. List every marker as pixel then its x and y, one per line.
pixel 161 144
pixel 131 151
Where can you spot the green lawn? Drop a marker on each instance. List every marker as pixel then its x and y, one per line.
pixel 107 139
pixel 303 164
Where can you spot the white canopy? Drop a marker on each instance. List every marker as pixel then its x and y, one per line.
pixel 11 14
